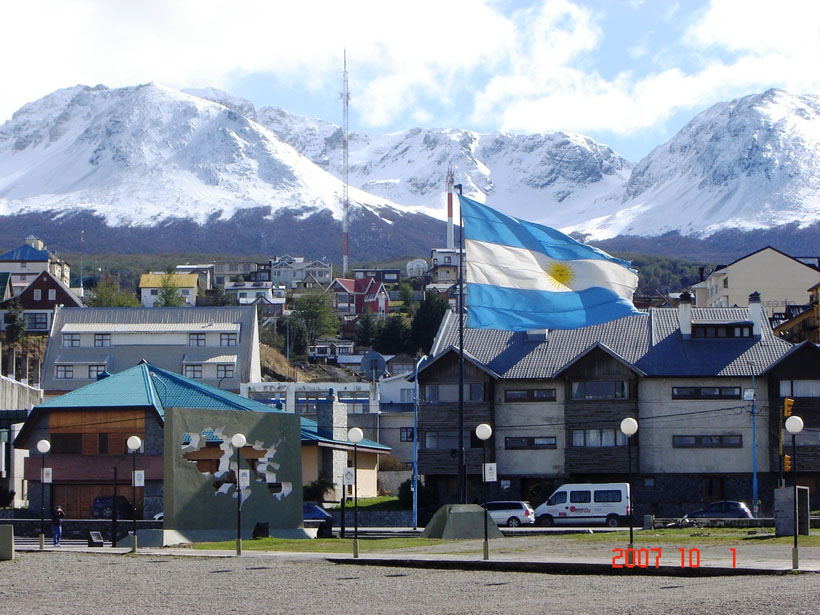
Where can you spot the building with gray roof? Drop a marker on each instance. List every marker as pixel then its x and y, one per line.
pixel 697 380
pixel 217 345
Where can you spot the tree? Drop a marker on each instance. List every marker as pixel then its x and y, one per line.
pixel 315 312
pixel 427 321
pixel 15 321
pixel 405 292
pixel 169 295
pixel 393 337
pixel 367 328
pixel 108 294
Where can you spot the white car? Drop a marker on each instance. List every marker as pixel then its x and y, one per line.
pixel 510 513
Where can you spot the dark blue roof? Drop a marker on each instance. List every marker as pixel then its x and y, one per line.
pixel 25 253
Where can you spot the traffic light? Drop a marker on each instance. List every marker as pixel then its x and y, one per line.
pixel 787 462
pixel 787 406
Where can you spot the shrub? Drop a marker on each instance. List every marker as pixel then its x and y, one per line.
pixel 406 495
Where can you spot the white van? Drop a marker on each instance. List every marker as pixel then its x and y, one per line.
pixel 586 503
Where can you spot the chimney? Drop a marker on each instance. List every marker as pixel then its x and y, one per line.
pixel 685 315
pixel 756 314
pixel 537 335
pixel 331 417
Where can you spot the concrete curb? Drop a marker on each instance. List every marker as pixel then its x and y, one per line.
pixel 575 568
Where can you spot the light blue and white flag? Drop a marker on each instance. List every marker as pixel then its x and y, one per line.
pixel 522 276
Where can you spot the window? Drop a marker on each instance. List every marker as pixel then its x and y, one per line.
pixel 185 292
pixel 444 440
pixel 405 434
pixel 600 389
pixel 515 395
pixel 732 441
pixel 196 339
pixel 520 443
pixel 607 495
pixel 95 370
pixel 431 392
pixel 102 340
pixel 52 294
pixel 406 396
pixel 800 388
pixel 580 497
pixel 193 371
pixel 154 291
pixel 71 340
pixel 65 372
pixel 38 294
pixel 224 371
pixel 477 391
pixel 67 443
pixel 227 339
pixel 102 443
pixel 721 331
pixel 597 438
pixel 36 322
pixel 705 392
pixel 557 498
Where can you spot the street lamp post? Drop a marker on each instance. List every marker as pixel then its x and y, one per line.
pixel 794 425
pixel 134 444
pixel 629 427
pixel 43 446
pixel 355 435
pixel 415 483
pixel 238 440
pixel 483 433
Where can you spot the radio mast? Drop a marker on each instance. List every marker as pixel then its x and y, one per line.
pixel 345 171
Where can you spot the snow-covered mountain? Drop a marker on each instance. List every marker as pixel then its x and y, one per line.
pixel 752 163
pixel 134 159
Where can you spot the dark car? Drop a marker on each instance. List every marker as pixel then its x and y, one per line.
pixel 102 507
pixel 314 512
pixel 724 509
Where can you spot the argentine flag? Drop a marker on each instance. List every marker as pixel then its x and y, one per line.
pixel 522 276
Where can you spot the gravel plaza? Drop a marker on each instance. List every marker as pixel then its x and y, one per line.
pixel 433 579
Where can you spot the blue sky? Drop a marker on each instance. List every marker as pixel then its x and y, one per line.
pixel 628 73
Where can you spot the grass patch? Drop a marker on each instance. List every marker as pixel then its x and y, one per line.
pixel 382 502
pixel 317 545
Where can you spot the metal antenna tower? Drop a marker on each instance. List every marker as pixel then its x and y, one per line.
pixel 345 171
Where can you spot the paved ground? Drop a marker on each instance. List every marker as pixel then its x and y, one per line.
pixel 73 579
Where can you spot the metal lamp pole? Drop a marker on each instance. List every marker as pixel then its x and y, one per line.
pixel 43 446
pixel 794 425
pixel 483 432
pixel 355 435
pixel 238 440
pixel 134 444
pixel 416 444
pixel 629 428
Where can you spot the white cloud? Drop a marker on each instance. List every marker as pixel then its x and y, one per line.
pixel 531 70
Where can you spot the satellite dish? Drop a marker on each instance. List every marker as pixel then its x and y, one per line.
pixel 373 365
pixel 416 268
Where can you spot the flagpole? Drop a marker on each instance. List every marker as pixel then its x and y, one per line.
pixel 462 468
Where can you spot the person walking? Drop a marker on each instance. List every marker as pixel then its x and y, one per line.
pixel 57 525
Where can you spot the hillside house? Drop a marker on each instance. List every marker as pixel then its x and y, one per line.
pixel 26 261
pixel 217 345
pixel 151 285
pixel 780 279
pixel 355 297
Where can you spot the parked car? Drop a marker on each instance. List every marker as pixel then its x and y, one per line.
pixel 314 512
pixel 102 507
pixel 724 509
pixel 510 513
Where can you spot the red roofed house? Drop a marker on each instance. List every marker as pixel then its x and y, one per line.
pixel 354 297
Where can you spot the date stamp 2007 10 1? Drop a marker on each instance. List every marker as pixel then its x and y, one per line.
pixel 646 558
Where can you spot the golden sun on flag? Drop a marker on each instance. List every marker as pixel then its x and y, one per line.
pixel 560 274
